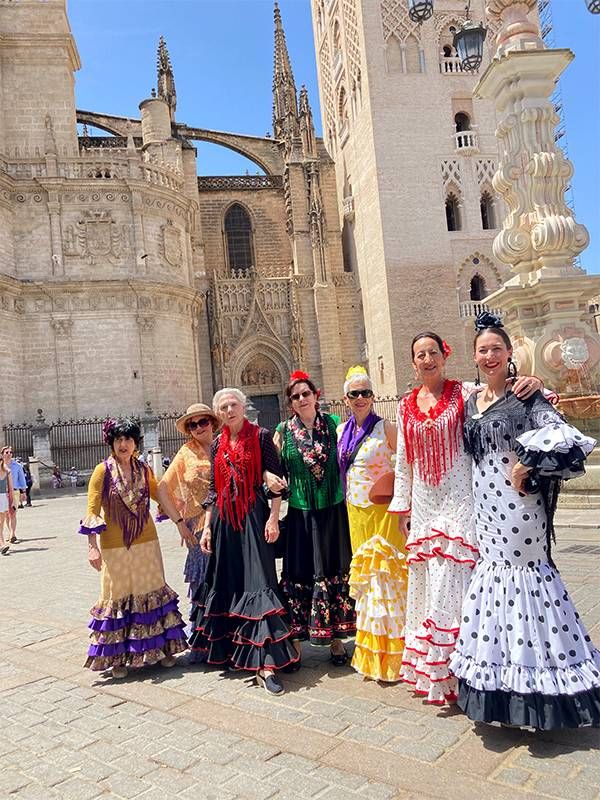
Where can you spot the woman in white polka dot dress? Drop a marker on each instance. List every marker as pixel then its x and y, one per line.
pixel 523 657
pixel 433 489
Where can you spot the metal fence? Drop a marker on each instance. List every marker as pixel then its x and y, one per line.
pixel 169 437
pixel 19 436
pixel 77 443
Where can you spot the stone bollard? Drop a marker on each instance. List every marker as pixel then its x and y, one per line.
pixel 42 450
pixel 156 462
pixel 252 412
pixel 150 430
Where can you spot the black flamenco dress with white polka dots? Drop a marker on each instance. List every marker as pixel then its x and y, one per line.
pixel 523 657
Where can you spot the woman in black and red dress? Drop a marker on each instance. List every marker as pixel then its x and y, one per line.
pixel 238 617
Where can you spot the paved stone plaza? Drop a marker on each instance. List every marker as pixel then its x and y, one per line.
pixel 197 733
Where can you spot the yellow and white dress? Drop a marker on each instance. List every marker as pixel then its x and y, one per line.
pixel 377 572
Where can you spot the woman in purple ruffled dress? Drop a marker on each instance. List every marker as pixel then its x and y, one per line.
pixel 136 620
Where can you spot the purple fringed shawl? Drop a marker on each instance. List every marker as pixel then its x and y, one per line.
pixel 350 441
pixel 128 506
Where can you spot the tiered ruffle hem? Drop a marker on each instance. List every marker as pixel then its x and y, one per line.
pixel 135 631
pixel 440 564
pixel 378 585
pixel 250 634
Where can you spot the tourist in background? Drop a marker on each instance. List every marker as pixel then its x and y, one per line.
pixel 433 489
pixel 316 546
pixel 136 620
pixel 523 656
pixel 238 617
pixel 29 482
pixel 19 484
pixel 6 501
pixel 187 479
pixel 366 449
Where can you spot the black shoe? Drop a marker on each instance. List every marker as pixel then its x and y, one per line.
pixel 14 540
pixel 4 550
pixel 269 683
pixel 339 659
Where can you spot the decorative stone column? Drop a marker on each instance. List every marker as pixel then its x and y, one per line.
pixel 42 451
pixel 545 303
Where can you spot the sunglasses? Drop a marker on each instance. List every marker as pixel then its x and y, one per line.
pixel 201 423
pixel 354 394
pixel 306 393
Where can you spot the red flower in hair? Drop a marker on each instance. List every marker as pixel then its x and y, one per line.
pixel 446 349
pixel 298 375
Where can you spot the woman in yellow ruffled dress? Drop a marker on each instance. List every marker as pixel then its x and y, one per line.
pixel 366 447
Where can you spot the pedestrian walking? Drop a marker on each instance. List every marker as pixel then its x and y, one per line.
pixel 29 482
pixel 19 484
pixel 6 502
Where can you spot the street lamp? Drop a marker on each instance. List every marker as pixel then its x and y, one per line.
pixel 593 6
pixel 468 42
pixel 420 10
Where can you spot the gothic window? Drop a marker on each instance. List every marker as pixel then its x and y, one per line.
pixel 238 234
pixel 477 289
pixel 488 212
pixel 453 221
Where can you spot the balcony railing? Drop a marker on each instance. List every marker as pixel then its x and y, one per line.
pixel 221 183
pixel 471 308
pixel 466 140
pixel 450 65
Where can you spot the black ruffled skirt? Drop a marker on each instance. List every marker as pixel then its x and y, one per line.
pixel 238 619
pixel 316 565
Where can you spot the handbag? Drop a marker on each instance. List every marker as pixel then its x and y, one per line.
pixel 382 490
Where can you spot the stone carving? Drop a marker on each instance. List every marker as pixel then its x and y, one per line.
pixel 172 245
pixel 97 237
pixel 260 371
pixel 62 326
pixel 345 279
pixel 451 174
pixel 145 323
pixel 485 169
pixel 574 352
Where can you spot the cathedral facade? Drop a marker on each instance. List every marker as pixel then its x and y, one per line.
pixel 126 279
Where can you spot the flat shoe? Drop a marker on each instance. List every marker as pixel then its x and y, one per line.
pixel 269 683
pixel 119 672
pixel 168 662
pixel 4 550
pixel 14 540
pixel 339 659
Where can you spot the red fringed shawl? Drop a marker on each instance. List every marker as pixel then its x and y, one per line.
pixel 238 473
pixel 434 439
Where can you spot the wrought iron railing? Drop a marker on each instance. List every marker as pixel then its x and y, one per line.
pixel 19 436
pixel 170 438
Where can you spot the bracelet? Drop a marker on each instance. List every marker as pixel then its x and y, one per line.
pixel 177 521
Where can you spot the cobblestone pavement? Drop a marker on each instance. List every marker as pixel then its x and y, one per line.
pixel 195 732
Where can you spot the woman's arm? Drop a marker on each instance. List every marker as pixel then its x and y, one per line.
pixel 93 524
pixel 391 434
pixel 161 493
pixel 402 499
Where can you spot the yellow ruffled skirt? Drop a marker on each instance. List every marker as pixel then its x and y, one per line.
pixel 378 585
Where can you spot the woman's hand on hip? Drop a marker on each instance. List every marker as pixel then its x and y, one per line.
pixel 95 558
pixel 272 530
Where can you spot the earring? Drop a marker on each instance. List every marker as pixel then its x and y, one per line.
pixel 512 371
pixel 477 377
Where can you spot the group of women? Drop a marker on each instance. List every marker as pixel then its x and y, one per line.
pixel 429 541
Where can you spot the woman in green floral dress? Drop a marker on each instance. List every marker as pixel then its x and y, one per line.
pixel 316 546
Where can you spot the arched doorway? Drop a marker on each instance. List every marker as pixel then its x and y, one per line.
pixel 261 382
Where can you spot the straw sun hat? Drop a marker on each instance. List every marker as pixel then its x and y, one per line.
pixel 196 410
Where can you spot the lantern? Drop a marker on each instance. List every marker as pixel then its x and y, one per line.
pixel 468 42
pixel 420 10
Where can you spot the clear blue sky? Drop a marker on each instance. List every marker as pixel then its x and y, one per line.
pixel 222 54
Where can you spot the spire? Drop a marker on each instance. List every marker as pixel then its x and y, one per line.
pixel 307 128
pixel 165 78
pixel 285 108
